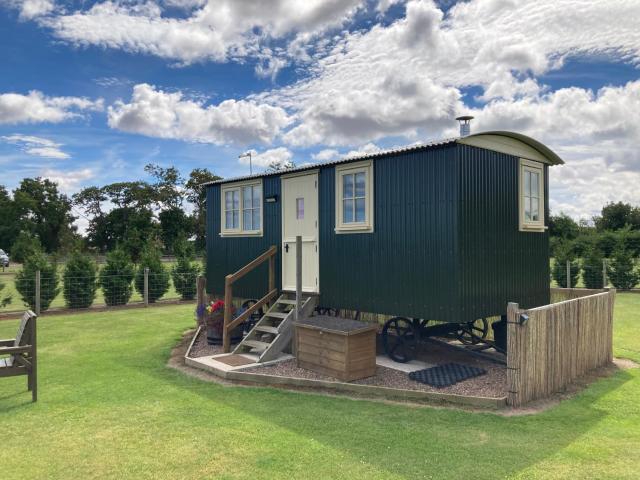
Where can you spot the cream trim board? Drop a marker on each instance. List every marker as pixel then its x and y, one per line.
pixel 530 225
pixel 510 146
pixel 351 168
pixel 240 231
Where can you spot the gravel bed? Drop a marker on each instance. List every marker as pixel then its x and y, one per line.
pixel 493 384
pixel 202 349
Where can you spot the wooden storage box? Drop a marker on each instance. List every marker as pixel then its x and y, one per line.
pixel 338 347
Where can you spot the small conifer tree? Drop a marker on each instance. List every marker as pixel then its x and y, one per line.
pixel 79 281
pixel 116 277
pixel 592 265
pixel 622 270
pixel 26 281
pixel 559 272
pixel 158 274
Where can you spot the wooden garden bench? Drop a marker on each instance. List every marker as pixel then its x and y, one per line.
pixel 18 355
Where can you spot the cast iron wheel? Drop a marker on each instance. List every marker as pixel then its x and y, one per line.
pixel 473 332
pixel 399 339
pixel 254 317
pixel 328 311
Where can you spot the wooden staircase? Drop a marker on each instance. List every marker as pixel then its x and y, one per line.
pixel 273 332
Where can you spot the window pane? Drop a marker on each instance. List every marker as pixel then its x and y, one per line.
pixel 360 184
pixel 246 197
pixel 360 210
pixel 535 213
pixel 527 209
pixel 347 186
pixel 256 219
pixel 527 183
pixel 257 196
pixel 228 221
pixel 228 200
pixel 534 184
pixel 236 199
pixel 246 220
pixel 299 208
pixel 347 211
pixel 236 217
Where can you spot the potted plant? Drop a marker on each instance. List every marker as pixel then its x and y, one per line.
pixel 214 319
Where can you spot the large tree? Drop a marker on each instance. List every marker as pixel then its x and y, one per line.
pixel 9 227
pixel 43 211
pixel 130 222
pixel 616 216
pixel 196 195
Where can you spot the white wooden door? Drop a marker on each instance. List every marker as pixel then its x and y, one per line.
pixel 300 217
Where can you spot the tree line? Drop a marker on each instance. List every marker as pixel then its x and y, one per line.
pixel 610 241
pixel 129 215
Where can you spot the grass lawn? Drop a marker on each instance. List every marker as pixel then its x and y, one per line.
pixel 109 408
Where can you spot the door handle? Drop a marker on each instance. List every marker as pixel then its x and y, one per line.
pixel 286 247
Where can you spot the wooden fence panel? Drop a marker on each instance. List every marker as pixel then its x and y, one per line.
pixel 549 347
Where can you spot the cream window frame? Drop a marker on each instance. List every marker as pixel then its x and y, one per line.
pixel 531 225
pixel 240 231
pixel 349 169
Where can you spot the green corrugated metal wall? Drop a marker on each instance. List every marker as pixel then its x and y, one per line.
pixel 407 266
pixel 498 263
pixel 446 244
pixel 227 255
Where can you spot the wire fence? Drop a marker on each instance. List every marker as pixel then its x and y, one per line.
pixel 601 273
pixel 42 292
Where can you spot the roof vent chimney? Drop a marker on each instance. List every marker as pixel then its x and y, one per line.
pixel 465 125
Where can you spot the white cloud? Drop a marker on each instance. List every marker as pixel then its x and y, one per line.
pixel 35 107
pixel 406 78
pixel 326 155
pixel 31 9
pixel 364 150
pixel 274 156
pixel 69 181
pixel 37 146
pixel 215 30
pixel 156 113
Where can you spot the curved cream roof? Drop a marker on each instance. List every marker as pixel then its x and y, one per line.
pixel 513 143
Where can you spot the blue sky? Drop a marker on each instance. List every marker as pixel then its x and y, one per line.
pixel 91 92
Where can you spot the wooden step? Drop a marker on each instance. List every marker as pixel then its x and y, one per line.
pixel 267 329
pixel 256 344
pixel 276 314
pixel 286 301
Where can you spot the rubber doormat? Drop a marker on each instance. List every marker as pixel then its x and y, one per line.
pixel 446 375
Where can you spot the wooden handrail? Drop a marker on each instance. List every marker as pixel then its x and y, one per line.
pixel 230 279
pixel 244 315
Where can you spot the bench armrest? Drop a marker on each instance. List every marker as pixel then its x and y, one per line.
pixel 14 350
pixel 8 342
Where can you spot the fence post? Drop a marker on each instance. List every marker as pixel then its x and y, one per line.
pixel 568 273
pixel 513 355
pixel 604 273
pixel 200 300
pixel 146 287
pixel 37 292
pixel 298 275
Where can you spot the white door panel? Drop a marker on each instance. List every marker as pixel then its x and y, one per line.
pixel 300 217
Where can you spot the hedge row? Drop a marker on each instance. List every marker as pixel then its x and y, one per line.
pixel 117 279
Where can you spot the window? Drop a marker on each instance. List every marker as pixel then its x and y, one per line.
pixel 531 196
pixel 300 208
pixel 354 197
pixel 242 209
